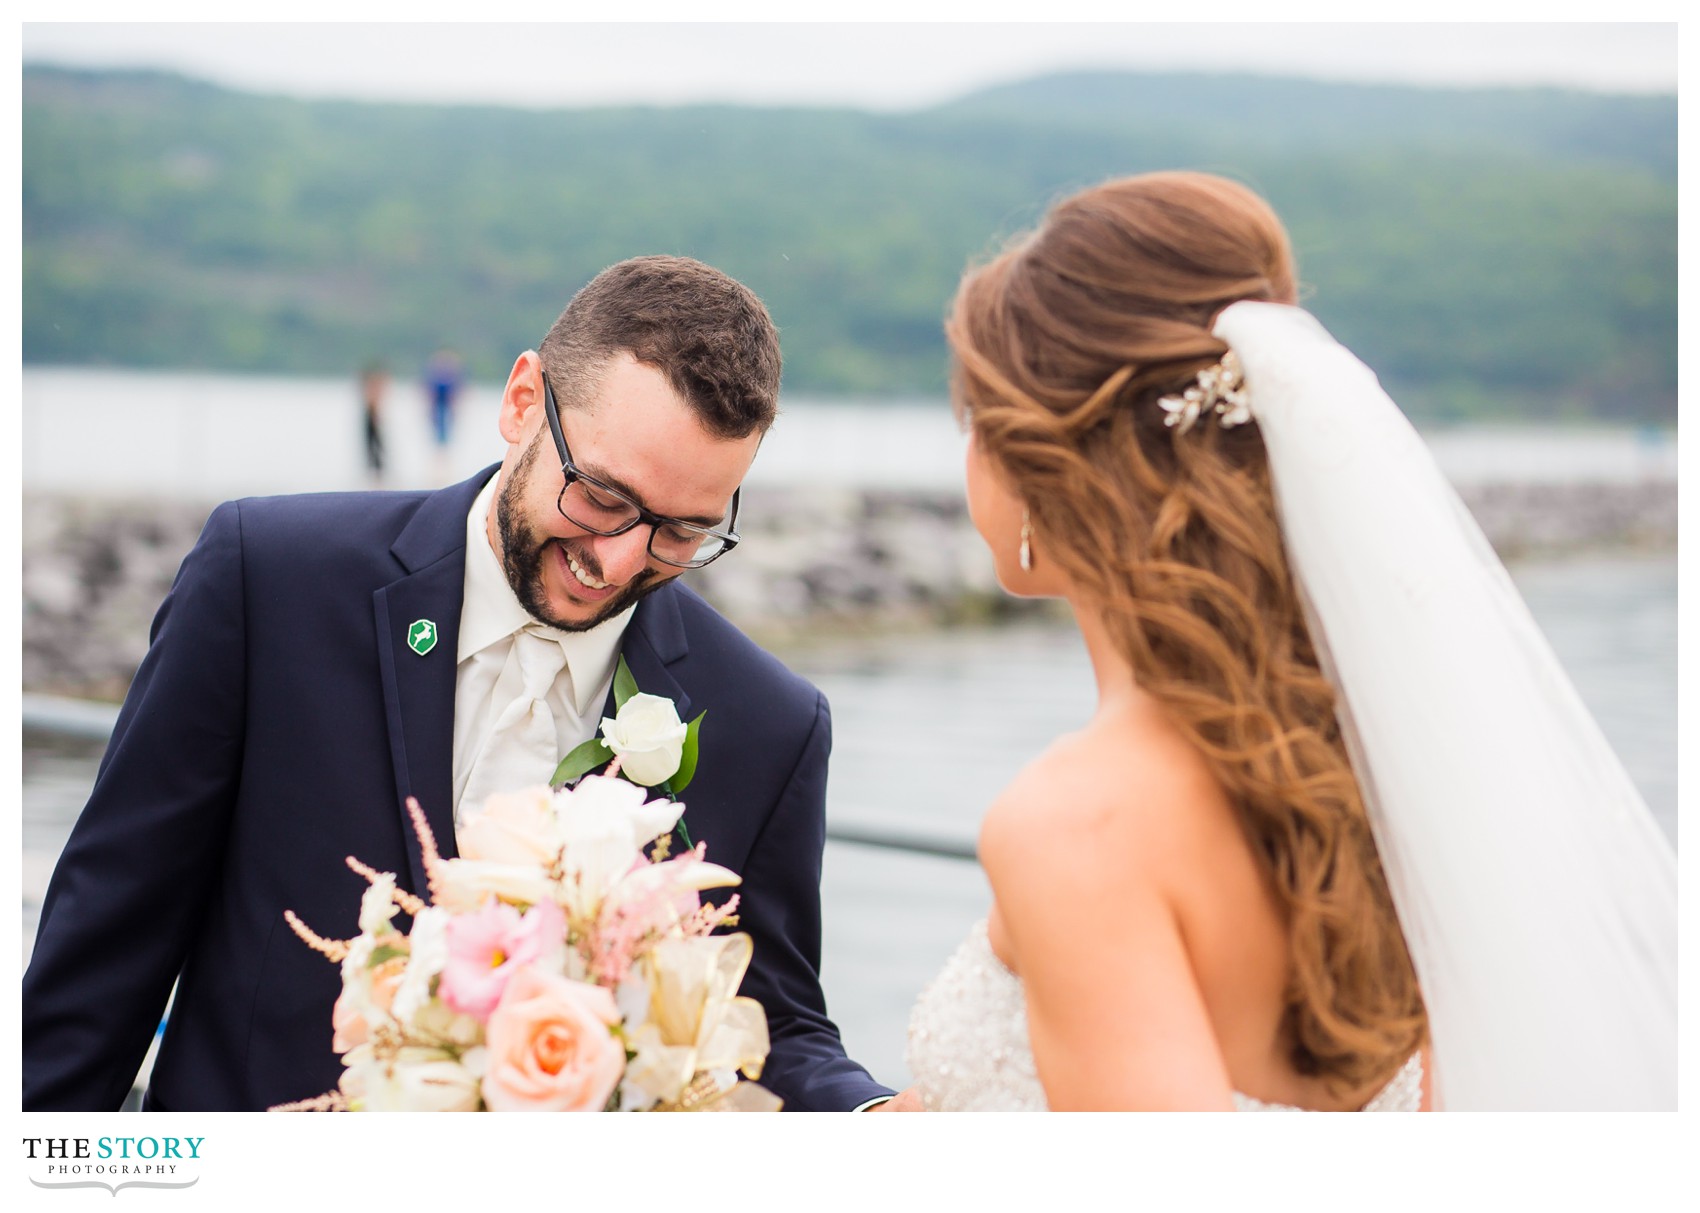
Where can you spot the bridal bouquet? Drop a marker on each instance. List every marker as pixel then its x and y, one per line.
pixel 556 967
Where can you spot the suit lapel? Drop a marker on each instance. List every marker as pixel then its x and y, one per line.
pixel 419 688
pixel 655 640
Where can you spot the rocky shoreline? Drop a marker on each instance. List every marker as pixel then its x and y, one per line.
pixel 812 562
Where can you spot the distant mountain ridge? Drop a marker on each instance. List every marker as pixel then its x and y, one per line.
pixel 1490 252
pixel 1295 115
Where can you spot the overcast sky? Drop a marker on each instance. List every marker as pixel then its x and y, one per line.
pixel 864 64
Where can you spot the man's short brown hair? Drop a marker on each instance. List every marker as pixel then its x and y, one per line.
pixel 706 332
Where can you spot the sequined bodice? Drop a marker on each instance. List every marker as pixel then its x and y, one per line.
pixel 968 1047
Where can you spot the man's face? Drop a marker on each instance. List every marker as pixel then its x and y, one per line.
pixel 635 434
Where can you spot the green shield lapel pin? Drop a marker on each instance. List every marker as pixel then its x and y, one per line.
pixel 422 636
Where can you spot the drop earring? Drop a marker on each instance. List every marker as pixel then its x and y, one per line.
pixel 1026 542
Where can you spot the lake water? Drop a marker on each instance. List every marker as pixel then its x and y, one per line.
pixel 217 436
pixel 927 727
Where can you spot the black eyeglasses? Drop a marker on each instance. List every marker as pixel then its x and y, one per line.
pixel 602 509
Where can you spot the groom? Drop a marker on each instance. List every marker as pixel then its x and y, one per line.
pixel 322 658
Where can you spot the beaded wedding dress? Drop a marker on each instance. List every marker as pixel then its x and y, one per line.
pixel 968 1045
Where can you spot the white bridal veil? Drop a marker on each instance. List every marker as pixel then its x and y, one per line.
pixel 1536 892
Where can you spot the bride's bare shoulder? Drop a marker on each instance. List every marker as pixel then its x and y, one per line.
pixel 1127 785
pixel 1101 842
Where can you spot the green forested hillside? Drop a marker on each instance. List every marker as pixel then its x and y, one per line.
pixel 1490 252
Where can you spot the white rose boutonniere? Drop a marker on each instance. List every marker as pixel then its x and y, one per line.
pixel 649 738
pixel 654 747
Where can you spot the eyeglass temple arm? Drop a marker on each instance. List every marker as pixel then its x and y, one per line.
pixel 554 417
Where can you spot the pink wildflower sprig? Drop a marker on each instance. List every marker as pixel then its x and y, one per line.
pixel 622 933
pixel 407 901
pixel 433 859
pixel 653 900
pixel 330 1101
pixel 335 950
pixel 709 917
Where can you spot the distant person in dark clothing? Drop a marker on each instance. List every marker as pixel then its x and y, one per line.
pixel 374 380
pixel 443 378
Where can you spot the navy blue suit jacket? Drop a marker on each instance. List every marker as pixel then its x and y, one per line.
pixel 279 723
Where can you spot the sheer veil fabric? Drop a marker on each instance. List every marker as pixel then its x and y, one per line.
pixel 1536 891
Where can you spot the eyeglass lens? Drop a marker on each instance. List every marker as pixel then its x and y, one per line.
pixel 595 509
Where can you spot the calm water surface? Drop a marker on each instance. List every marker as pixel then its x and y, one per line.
pixel 218 436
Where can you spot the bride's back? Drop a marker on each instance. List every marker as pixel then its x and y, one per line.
pixel 1122 823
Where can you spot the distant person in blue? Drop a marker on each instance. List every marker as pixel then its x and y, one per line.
pixel 444 374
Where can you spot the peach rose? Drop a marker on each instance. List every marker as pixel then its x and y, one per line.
pixel 549 1046
pixel 348 1023
pixel 375 993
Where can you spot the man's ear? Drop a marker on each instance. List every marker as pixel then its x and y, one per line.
pixel 522 399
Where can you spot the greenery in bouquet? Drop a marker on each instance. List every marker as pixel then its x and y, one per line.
pixel 556 967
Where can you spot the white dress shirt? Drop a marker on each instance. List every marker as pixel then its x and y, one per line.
pixel 485 680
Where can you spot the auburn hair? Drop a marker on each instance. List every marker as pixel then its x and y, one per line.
pixel 1062 346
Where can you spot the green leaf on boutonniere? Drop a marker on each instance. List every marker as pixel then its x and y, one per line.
pixel 625 686
pixel 584 759
pixel 687 757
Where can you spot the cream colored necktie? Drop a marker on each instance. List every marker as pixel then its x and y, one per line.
pixel 521 750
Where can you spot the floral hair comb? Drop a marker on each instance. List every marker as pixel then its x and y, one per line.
pixel 1219 388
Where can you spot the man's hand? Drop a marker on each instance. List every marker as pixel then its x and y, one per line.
pixel 904 1101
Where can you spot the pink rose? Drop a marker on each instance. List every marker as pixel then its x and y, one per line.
pixel 488 946
pixel 549 1047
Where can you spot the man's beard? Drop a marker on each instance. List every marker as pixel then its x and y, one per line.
pixel 523 555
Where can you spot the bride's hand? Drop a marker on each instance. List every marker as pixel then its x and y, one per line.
pixel 904 1101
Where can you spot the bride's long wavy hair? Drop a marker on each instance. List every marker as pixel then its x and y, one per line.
pixel 1063 345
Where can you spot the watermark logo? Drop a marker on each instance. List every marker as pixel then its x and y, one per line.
pixel 114 1163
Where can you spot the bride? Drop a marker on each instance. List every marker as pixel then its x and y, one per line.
pixel 1340 834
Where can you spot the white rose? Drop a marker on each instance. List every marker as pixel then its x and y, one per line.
pixel 649 738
